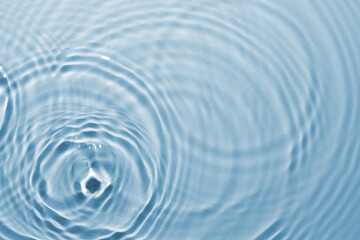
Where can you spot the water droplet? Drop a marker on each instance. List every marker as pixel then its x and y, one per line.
pixel 93 185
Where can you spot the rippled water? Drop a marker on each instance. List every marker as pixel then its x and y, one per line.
pixel 179 120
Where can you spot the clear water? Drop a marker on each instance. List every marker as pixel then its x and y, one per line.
pixel 179 119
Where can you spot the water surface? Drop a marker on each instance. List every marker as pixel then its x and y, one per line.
pixel 179 120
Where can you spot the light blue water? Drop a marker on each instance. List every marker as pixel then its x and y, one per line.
pixel 179 120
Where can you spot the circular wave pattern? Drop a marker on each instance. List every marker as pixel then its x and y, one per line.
pixel 178 120
pixel 84 158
